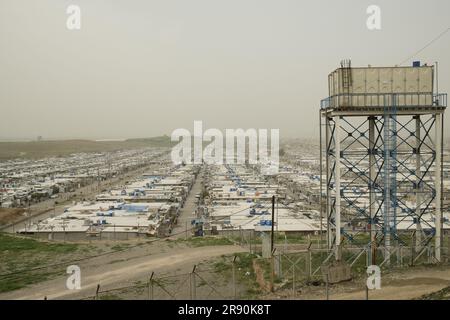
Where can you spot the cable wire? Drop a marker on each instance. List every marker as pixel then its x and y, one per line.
pixel 427 45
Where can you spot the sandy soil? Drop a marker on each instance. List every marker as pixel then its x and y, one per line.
pixel 8 215
pixel 409 284
pixel 401 284
pixel 123 268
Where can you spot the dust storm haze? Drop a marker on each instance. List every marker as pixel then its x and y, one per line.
pixel 144 68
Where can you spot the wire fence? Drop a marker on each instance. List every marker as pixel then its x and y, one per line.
pixel 248 275
pixel 200 284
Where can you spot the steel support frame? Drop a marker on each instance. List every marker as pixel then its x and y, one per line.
pixel 355 161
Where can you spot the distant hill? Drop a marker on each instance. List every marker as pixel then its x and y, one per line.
pixel 51 148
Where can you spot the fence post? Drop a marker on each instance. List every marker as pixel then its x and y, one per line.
pixel 326 288
pixel 193 286
pixel 401 256
pixel 272 271
pixel 150 287
pixel 367 292
pixel 96 292
pixel 308 261
pixel 448 245
pixel 293 280
pixel 234 277
pixel 280 261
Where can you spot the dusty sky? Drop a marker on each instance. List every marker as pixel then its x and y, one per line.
pixel 140 68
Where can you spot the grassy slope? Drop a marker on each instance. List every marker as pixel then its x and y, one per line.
pixel 18 255
pixel 41 149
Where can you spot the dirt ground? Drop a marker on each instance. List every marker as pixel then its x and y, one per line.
pixel 8 215
pixel 124 268
pixel 170 261
pixel 404 285
pixel 398 284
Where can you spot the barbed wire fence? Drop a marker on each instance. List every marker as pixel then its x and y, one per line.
pixel 199 283
pixel 287 271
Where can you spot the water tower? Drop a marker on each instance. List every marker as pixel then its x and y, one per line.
pixel 381 142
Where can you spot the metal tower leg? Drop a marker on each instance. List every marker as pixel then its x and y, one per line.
pixel 437 177
pixel 372 209
pixel 328 177
pixel 418 243
pixel 338 187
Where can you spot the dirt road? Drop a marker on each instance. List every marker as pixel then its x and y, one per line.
pixel 186 213
pixel 123 268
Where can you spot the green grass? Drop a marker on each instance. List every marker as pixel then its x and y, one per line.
pixel 18 255
pixel 443 294
pixel 12 283
pixel 17 245
pixel 245 274
pixel 119 247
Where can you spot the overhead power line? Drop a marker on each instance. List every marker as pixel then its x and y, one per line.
pixel 426 46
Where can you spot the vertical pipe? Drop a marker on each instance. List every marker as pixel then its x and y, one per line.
pixel 437 80
pixel 372 173
pixel 437 177
pixel 327 160
pixel 418 187
pixel 320 173
pixel 337 179
pixel 273 222
pixel 442 172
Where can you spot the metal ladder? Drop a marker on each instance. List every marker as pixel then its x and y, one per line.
pixel 346 66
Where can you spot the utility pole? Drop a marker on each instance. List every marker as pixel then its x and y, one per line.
pixel 272 245
pixel 273 222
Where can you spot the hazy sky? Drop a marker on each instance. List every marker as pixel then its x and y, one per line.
pixel 140 68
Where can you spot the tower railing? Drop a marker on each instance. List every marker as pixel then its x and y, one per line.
pixel 380 100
